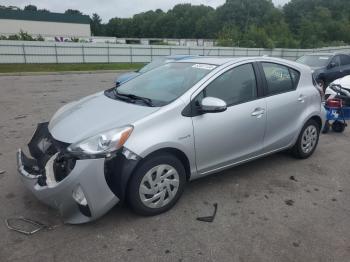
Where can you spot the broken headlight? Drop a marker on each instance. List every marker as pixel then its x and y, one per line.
pixel 103 144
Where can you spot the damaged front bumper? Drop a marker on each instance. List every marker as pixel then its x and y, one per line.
pixel 77 188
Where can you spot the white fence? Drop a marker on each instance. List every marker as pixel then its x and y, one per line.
pixel 46 52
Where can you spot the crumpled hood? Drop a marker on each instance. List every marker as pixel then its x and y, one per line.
pixel 92 115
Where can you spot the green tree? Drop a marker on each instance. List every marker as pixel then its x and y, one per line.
pixel 245 23
pixel 72 12
pixel 230 35
pixel 30 8
pixel 96 25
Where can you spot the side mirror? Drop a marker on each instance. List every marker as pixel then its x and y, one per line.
pixel 212 105
pixel 332 65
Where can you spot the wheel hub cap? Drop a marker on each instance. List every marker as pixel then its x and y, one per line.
pixel 309 139
pixel 159 186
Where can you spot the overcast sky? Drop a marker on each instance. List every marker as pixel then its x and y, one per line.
pixel 113 8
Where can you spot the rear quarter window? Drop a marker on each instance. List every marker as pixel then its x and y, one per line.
pixel 280 78
pixel 295 75
pixel 345 60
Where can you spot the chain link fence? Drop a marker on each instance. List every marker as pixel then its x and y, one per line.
pixel 28 52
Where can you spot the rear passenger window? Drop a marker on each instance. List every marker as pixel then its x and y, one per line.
pixel 279 79
pixel 344 60
pixel 295 77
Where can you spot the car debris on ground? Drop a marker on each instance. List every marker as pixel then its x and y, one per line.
pixel 20 225
pixel 211 218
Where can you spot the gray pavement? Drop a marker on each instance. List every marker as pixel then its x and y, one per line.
pixel 262 215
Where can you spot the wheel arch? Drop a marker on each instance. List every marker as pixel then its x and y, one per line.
pixel 175 152
pixel 317 119
pixel 314 116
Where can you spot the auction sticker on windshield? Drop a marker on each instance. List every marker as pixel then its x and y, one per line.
pixel 204 66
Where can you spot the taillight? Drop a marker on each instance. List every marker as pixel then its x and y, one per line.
pixel 334 103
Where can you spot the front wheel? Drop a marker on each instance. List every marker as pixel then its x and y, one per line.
pixel 156 185
pixel 307 140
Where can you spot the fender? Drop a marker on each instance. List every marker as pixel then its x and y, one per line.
pixel 305 119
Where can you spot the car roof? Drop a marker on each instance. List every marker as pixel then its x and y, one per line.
pixel 210 60
pixel 231 60
pixel 327 54
pixel 179 57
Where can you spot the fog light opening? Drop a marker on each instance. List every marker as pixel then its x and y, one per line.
pixel 79 197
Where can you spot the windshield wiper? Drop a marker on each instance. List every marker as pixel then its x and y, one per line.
pixel 147 101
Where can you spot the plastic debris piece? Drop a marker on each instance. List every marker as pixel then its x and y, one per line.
pixel 37 226
pixel 211 218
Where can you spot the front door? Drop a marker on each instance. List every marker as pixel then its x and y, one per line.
pixel 344 65
pixel 222 139
pixel 333 72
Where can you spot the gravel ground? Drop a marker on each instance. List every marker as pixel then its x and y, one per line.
pixel 273 209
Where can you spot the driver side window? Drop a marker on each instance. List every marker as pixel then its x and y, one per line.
pixel 336 61
pixel 235 86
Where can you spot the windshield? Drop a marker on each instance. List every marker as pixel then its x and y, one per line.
pixel 314 60
pixel 165 83
pixel 154 64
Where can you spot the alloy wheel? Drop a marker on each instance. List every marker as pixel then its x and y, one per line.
pixel 309 139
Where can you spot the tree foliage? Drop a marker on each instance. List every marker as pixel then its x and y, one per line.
pixel 246 23
pixel 30 8
pixel 96 25
pixel 73 12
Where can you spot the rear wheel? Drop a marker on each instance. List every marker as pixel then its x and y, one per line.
pixel 307 140
pixel 156 185
pixel 338 126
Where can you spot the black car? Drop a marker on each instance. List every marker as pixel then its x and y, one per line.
pixel 327 66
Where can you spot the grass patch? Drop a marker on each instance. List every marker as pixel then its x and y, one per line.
pixel 17 68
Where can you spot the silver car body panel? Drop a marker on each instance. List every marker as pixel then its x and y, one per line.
pixel 92 115
pixel 211 142
pixel 88 175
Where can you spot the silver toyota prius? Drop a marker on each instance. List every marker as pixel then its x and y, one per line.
pixel 141 142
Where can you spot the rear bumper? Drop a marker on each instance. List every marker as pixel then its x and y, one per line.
pixel 38 176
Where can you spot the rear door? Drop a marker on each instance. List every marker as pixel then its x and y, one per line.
pixel 284 104
pixel 222 139
pixel 344 65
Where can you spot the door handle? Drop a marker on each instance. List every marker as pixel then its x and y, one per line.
pixel 301 98
pixel 258 112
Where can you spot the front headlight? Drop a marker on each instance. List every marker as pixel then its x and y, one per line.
pixel 102 144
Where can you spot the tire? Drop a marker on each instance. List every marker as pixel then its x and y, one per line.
pixel 145 190
pixel 307 140
pixel 338 127
pixel 326 128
